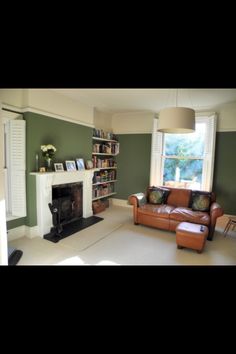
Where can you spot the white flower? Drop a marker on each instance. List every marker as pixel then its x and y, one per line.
pixel 45 148
pixel 48 150
pixel 51 147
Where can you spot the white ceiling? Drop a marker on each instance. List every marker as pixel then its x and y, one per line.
pixel 152 100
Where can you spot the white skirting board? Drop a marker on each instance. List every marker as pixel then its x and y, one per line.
pixel 32 232
pixel 22 231
pixel 16 233
pixel 120 202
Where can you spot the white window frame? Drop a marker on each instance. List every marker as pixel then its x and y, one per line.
pixel 157 158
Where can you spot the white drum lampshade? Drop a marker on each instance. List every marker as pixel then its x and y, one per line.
pixel 177 120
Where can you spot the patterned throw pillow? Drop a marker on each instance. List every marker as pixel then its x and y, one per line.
pixel 157 195
pixel 201 201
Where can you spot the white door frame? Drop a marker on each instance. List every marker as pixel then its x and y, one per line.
pixel 3 228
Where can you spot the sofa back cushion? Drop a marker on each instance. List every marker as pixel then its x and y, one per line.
pixel 179 197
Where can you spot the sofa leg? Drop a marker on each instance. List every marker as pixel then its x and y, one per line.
pixel 210 235
pixel 136 223
pixel 179 247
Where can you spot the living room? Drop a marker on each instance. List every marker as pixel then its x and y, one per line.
pixel 66 118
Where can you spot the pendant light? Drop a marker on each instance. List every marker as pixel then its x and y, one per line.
pixel 176 120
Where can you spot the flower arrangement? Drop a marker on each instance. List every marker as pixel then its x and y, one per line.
pixel 48 151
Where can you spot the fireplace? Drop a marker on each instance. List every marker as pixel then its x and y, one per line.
pixel 69 199
pixel 44 186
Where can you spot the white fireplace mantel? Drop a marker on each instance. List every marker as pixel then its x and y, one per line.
pixel 44 183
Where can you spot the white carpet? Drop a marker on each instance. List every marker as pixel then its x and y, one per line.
pixel 83 239
pixel 140 245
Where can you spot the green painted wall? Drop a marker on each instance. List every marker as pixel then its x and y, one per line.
pixel 15 223
pixel 224 183
pixel 71 140
pixel 133 164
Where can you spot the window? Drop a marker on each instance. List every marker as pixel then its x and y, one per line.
pixel 184 160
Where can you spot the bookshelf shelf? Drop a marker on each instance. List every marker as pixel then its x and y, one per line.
pixel 103 153
pixel 105 182
pixel 103 139
pixel 107 168
pixel 104 196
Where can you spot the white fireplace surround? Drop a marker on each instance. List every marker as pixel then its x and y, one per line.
pixel 44 183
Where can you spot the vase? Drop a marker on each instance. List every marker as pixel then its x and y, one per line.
pixel 49 165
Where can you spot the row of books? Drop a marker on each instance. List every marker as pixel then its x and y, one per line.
pixel 102 163
pixel 104 176
pixel 100 133
pixel 107 148
pixel 102 190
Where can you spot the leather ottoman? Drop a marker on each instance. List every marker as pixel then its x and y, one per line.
pixel 189 235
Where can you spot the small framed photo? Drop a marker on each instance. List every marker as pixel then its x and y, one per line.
pixel 80 164
pixel 58 167
pixel 89 164
pixel 70 166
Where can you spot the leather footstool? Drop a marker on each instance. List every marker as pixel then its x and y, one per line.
pixel 189 235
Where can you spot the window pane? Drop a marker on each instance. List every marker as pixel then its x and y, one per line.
pixel 186 144
pixel 183 173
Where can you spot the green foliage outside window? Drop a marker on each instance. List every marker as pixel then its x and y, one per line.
pixel 183 151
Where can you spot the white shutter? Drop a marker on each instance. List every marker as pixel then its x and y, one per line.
pixel 6 190
pixel 156 178
pixel 17 145
pixel 18 194
pixel 16 163
pixel 3 231
pixel 209 153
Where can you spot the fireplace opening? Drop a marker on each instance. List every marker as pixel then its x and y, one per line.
pixel 69 199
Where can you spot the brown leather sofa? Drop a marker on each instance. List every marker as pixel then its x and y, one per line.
pixel 176 210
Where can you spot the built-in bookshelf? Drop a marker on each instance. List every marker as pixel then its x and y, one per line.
pixel 105 148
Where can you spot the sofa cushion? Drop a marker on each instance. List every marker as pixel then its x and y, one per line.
pixel 186 214
pixel 179 197
pixel 200 201
pixel 161 210
pixel 157 195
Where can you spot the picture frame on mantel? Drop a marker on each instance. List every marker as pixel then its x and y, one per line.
pixel 80 164
pixel 89 164
pixel 58 167
pixel 70 166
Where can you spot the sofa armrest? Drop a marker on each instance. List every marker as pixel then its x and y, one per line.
pixel 137 200
pixel 215 212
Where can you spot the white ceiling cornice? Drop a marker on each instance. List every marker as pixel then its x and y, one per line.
pixel 127 101
pixel 45 113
